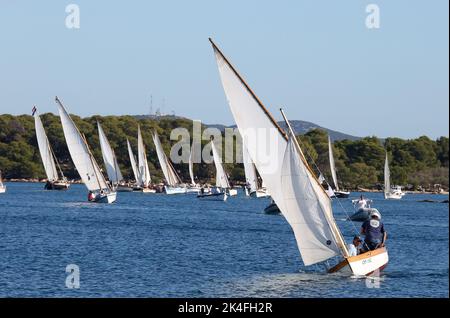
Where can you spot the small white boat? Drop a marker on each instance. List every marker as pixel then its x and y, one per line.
pixel 100 190
pixel 260 193
pixel 394 193
pixel 216 196
pixel 174 189
pixel 104 197
pixel 232 192
pixel 290 180
pixel 362 210
pixel 49 160
pixel 222 183
pixel 2 186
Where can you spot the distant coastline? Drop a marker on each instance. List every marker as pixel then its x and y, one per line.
pixel 78 181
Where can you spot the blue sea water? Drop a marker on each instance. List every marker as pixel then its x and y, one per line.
pixel 153 245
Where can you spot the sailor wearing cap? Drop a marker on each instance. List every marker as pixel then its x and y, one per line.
pixel 354 248
pixel 373 230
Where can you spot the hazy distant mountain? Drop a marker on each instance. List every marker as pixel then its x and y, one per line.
pixel 302 127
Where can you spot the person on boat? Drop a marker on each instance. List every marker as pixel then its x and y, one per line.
pixel 361 204
pixel 373 231
pixel 91 196
pixel 354 248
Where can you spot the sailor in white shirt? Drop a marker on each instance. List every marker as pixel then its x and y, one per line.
pixel 354 248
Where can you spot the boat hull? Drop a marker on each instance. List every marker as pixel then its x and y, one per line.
pixel 124 189
pixel 393 196
pixel 2 189
pixel 362 214
pixel 341 194
pixel 213 196
pixel 272 209
pixel 232 192
pixel 364 264
pixel 105 198
pixel 260 194
pixel 174 190
pixel 193 190
pixel 148 190
pixel 57 185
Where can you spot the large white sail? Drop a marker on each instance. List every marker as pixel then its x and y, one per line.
pixel 144 172
pixel 169 172
pixel 134 166
pixel 45 150
pixel 249 169
pixel 332 165
pixel 109 158
pixel 81 155
pixel 387 176
pixel 221 176
pixel 262 134
pixel 191 166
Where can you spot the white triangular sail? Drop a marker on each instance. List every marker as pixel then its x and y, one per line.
pixel 191 166
pixel 387 176
pixel 81 155
pixel 332 165
pixel 144 172
pixel 251 178
pixel 304 200
pixel 45 150
pixel 134 166
pixel 172 178
pixel 109 158
pixel 221 176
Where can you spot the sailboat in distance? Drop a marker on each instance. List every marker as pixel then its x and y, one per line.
pixel 99 189
pixel 49 160
pixel 289 179
pixel 193 188
pixel 337 192
pixel 134 167
pixel 252 186
pixel 221 191
pixel 173 182
pixel 390 193
pixel 110 160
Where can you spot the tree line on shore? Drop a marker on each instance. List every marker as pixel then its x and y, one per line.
pixel 420 162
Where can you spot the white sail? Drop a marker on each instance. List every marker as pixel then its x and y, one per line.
pixel 332 165
pixel 45 150
pixel 170 175
pixel 133 163
pixel 257 125
pixel 387 176
pixel 144 172
pixel 109 158
pixel 221 176
pixel 191 166
pixel 307 209
pixel 250 170
pixel 81 155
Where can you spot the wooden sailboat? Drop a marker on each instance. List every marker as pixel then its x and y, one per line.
pixel 112 166
pixel 390 193
pixel 252 187
pixel 289 179
pixel 144 178
pixel 134 168
pixel 173 182
pixel 2 186
pixel 221 191
pixel 49 160
pixel 336 191
pixel 99 189
pixel 193 188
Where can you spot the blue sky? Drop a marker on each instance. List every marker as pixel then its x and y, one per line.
pixel 317 59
